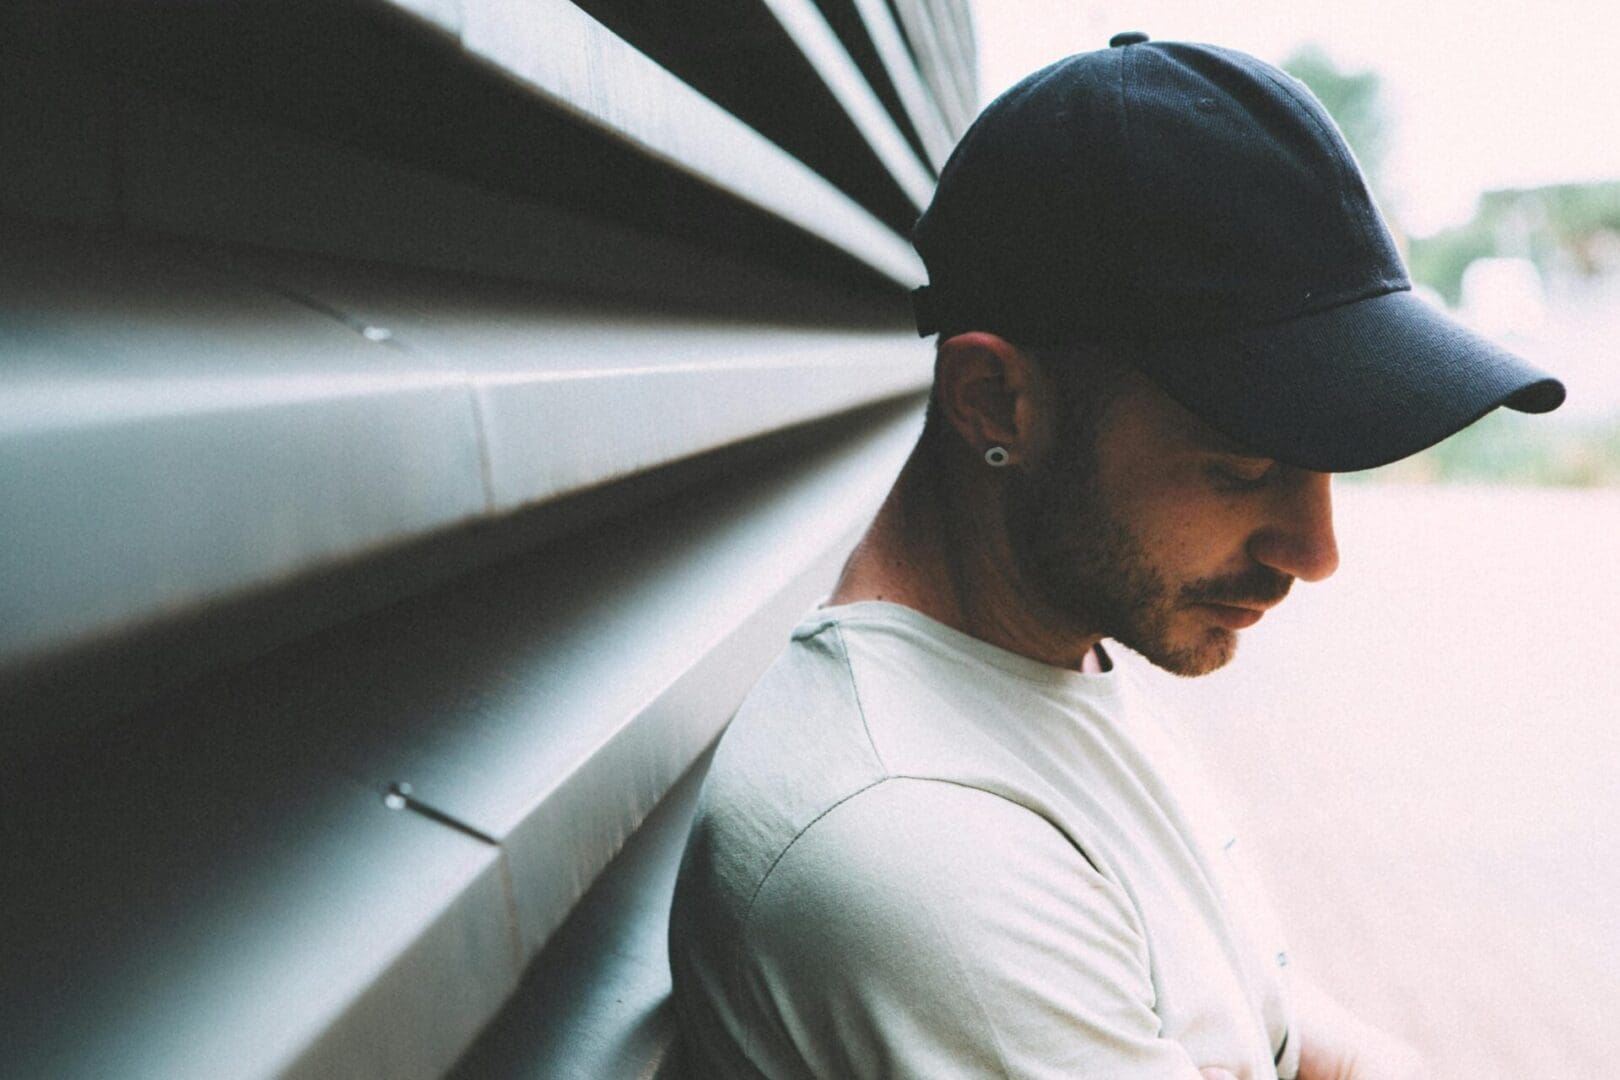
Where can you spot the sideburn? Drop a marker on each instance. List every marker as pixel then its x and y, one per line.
pixel 1050 514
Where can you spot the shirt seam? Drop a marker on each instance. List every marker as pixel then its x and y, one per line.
pixel 1349 175
pixel 989 1022
pixel 956 960
pixel 855 692
pixel 1133 208
pixel 855 689
pixel 753 897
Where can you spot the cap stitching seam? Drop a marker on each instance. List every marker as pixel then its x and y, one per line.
pixel 1348 174
pixel 1130 170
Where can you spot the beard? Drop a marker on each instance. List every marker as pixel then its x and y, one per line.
pixel 1081 559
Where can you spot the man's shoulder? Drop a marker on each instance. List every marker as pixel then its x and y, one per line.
pixel 797 746
pixel 840 709
pixel 952 918
pixel 855 701
pixel 885 849
pixel 799 739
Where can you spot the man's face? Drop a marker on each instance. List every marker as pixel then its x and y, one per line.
pixel 1163 535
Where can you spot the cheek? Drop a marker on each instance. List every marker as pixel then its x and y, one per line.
pixel 1186 533
pixel 1044 526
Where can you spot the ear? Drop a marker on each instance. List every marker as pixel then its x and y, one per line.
pixel 991 393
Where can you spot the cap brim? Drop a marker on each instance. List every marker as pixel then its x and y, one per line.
pixel 1353 387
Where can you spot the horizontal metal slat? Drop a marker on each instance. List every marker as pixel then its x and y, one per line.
pixel 937 62
pixel 921 108
pixel 168 434
pixel 955 50
pixel 956 26
pixel 794 91
pixel 363 130
pixel 574 61
pixel 195 902
pixel 571 395
pixel 203 425
pixel 549 703
pixel 192 170
pixel 222 869
pixel 817 41
pixel 963 12
pixel 595 1002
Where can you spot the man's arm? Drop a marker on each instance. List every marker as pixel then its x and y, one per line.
pixel 922 928
pixel 1337 1045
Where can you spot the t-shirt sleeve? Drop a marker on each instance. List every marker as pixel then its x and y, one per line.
pixel 928 929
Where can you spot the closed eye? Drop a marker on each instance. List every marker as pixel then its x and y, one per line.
pixel 1244 474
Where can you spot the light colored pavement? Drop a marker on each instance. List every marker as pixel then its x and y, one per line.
pixel 1424 755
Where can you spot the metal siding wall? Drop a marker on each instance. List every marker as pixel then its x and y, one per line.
pixel 419 424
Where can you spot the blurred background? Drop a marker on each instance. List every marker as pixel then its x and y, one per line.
pixel 1485 130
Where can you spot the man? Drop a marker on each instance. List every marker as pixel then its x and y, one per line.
pixel 947 835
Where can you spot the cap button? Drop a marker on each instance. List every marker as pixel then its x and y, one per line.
pixel 1127 37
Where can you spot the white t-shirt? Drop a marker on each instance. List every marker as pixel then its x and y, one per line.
pixel 919 855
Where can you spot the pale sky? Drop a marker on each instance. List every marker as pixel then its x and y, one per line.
pixel 1481 94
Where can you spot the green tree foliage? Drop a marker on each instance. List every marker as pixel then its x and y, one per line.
pixel 1565 229
pixel 1512 448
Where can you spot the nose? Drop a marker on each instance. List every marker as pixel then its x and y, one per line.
pixel 1298 539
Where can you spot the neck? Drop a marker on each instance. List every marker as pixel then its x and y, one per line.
pixel 939 545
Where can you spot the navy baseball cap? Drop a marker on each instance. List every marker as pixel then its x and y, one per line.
pixel 1196 211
